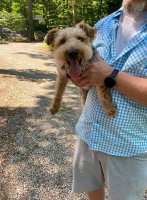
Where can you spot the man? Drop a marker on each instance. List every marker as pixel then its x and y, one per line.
pixel 115 150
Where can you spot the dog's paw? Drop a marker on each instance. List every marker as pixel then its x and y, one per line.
pixel 53 111
pixel 111 113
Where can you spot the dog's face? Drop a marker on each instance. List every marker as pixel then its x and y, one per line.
pixel 72 47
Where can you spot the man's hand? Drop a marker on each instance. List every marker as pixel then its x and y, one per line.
pixel 94 74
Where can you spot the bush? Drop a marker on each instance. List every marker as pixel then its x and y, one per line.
pixel 14 21
pixel 39 36
pixel 39 25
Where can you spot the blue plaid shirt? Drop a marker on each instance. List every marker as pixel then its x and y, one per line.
pixel 126 134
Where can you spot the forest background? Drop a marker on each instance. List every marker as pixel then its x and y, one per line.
pixel 42 15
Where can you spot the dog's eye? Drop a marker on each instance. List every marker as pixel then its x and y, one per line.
pixel 80 38
pixel 62 41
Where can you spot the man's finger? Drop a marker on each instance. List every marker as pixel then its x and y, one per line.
pixel 75 82
pixel 83 82
pixel 85 73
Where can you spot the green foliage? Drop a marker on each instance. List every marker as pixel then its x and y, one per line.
pixel 19 6
pixel 59 13
pixel 38 37
pixel 5 5
pixel 40 25
pixel 14 21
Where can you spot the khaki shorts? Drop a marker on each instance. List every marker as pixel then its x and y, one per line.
pixel 126 177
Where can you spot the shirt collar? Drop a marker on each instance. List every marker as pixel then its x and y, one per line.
pixel 118 13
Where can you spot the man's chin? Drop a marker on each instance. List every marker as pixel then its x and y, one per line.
pixel 134 8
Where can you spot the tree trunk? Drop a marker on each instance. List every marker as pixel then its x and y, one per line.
pixel 74 11
pixel 31 27
pixel 100 7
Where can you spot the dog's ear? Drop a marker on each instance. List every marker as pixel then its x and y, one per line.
pixel 90 32
pixel 51 36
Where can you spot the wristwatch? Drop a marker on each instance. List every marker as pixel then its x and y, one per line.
pixel 110 80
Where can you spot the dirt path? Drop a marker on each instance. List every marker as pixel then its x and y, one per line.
pixel 36 149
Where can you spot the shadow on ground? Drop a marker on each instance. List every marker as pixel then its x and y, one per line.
pixel 28 75
pixel 36 55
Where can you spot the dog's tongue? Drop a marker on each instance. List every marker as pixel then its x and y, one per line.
pixel 74 70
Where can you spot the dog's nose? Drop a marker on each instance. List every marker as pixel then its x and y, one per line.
pixel 73 54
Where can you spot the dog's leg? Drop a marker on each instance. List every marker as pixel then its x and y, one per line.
pixel 83 95
pixel 56 103
pixel 106 101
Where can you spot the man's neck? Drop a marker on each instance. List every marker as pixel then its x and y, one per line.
pixel 142 14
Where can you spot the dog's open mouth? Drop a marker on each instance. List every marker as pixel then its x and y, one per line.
pixel 74 68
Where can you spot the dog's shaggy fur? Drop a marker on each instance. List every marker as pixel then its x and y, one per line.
pixel 73 51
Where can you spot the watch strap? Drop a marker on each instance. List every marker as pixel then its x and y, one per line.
pixel 114 73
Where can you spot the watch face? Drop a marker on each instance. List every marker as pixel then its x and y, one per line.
pixel 109 82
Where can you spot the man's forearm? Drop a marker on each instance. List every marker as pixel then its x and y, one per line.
pixel 132 87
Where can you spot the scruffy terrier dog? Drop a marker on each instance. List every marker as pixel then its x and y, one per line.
pixel 72 52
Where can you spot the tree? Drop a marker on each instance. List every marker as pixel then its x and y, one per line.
pixel 31 27
pixel 74 11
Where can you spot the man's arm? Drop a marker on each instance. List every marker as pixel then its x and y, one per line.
pixel 131 86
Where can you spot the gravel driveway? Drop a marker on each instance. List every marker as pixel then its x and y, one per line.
pixel 36 149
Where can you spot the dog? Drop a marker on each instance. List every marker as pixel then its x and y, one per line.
pixel 72 52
